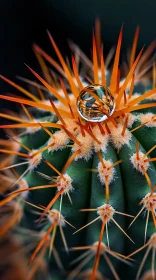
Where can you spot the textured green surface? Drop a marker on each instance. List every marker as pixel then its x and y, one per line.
pixel 126 191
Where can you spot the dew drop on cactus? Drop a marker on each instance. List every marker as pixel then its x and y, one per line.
pixel 78 172
pixel 94 103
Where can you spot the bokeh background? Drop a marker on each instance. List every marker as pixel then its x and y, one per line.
pixel 24 22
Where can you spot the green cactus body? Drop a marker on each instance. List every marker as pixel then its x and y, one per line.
pixel 63 164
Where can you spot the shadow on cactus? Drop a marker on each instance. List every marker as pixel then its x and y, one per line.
pixel 78 170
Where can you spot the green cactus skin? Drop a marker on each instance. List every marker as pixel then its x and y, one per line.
pixel 102 169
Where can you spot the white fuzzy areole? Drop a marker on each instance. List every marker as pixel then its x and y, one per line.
pixel 149 119
pixel 56 217
pixel 65 183
pixel 72 126
pixel 85 148
pixel 95 246
pixel 35 160
pixel 149 201
pixel 117 138
pixel 59 142
pixel 61 139
pixel 131 119
pixel 139 162
pixel 106 212
pixel 106 172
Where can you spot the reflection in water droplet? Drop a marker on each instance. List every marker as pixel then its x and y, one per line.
pixel 95 103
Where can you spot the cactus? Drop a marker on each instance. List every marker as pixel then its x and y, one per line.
pixel 78 171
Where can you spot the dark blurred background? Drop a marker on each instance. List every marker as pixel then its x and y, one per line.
pixel 24 22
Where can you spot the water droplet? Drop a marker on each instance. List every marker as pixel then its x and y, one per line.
pixel 95 103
